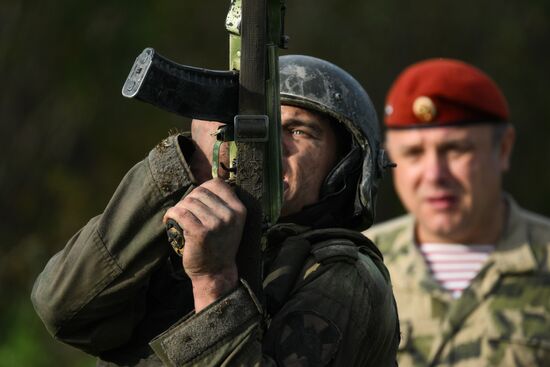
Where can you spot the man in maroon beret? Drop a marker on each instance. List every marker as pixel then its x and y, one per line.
pixel 470 268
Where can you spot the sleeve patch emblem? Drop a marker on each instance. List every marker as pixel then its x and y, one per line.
pixel 307 339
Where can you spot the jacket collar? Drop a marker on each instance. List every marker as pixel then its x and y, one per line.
pixel 412 270
pixel 514 252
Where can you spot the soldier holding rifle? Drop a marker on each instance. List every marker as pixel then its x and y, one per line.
pixel 118 291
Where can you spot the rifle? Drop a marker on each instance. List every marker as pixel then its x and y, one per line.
pixel 246 99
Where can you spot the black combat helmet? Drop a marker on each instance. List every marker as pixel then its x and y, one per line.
pixel 349 192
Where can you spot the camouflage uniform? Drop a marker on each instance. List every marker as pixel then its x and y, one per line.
pixel 502 319
pixel 118 291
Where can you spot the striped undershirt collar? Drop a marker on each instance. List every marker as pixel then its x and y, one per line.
pixel 454 266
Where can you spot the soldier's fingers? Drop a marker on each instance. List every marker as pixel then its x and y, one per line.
pixel 188 221
pixel 211 218
pixel 226 193
pixel 213 205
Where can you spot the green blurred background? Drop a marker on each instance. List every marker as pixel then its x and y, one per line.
pixel 68 136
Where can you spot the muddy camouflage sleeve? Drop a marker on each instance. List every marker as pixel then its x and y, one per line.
pixel 340 313
pixel 92 293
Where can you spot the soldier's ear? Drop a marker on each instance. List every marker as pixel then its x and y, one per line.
pixel 506 147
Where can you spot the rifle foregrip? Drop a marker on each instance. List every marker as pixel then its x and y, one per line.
pixel 185 90
pixel 175 236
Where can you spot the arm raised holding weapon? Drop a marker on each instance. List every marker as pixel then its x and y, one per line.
pixel 254 289
pixel 249 107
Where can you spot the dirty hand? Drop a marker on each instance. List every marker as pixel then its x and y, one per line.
pixel 212 218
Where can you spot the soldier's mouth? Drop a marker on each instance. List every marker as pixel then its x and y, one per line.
pixel 442 202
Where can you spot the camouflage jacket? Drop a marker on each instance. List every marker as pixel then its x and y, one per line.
pixel 501 319
pixel 118 291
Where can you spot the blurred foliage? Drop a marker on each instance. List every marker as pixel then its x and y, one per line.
pixel 25 341
pixel 68 136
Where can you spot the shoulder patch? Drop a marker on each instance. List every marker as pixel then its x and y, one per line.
pixel 307 339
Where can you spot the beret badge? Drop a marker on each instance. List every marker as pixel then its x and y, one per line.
pixel 424 109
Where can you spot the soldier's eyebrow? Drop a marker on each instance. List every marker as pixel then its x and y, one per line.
pixel 314 125
pixel 456 144
pixel 411 149
pixel 408 145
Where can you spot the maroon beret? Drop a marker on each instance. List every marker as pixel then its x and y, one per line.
pixel 443 92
